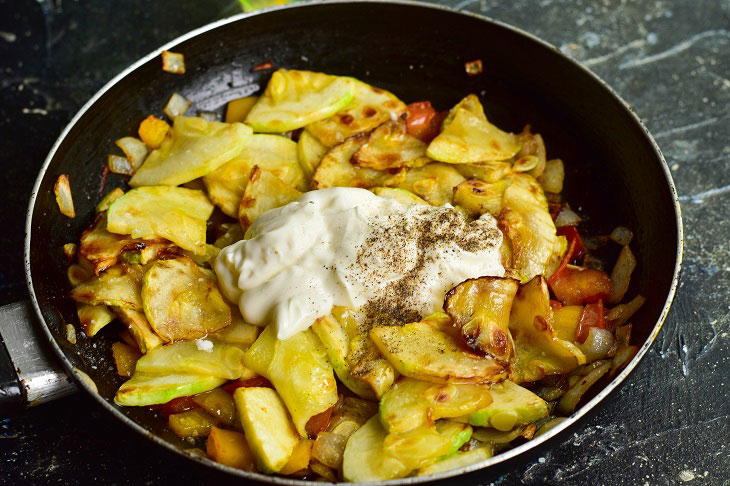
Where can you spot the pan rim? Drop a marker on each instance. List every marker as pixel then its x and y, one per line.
pixel 507 455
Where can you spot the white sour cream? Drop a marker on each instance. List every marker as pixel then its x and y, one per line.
pixel 349 247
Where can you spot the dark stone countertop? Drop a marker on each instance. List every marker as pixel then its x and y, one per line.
pixel 670 59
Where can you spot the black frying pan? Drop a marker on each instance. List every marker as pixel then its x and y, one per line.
pixel 615 172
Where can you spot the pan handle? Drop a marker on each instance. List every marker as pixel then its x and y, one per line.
pixel 29 373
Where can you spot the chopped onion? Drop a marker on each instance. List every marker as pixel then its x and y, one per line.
pixel 71 333
pixel 70 249
pixel 526 164
pixel 329 448
pixel 210 116
pixel 621 274
pixel 323 471
pixel 567 217
pixel 120 165
pixel 77 275
pixel 621 314
pixel 622 358
pixel 623 335
pixel 173 62
pixel 474 67
pixel 177 105
pixel 134 149
pixel 622 235
pixel 65 202
pixel 571 398
pixel 598 344
pixel 553 176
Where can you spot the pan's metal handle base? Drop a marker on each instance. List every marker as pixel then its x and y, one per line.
pixel 38 377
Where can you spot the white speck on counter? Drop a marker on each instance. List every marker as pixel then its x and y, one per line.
pixel 204 345
pixel 686 475
pixel 651 38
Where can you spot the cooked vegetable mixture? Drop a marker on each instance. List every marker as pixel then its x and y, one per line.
pixel 368 389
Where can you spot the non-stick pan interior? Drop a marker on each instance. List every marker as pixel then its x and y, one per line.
pixel 418 52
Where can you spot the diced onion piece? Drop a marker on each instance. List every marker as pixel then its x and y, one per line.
pixel 474 67
pixel 621 314
pixel 134 149
pixel 329 448
pixel 210 116
pixel 120 165
pixel 623 335
pixel 177 105
pixel 70 249
pixel 567 217
pixel 598 344
pixel 65 202
pixel 553 176
pixel 323 471
pixel 624 354
pixel 173 62
pixel 571 398
pixel 622 235
pixel 621 274
pixel 71 333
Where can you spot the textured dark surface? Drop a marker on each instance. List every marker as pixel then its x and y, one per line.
pixel 669 60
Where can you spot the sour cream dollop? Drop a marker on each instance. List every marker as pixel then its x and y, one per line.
pixel 348 247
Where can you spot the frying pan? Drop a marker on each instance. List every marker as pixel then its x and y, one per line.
pixel 615 172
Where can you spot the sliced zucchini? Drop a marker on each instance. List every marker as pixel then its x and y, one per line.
pixel 390 147
pixel 479 197
pixel 410 404
pixel 139 327
pixel 298 369
pixel 434 182
pixel 526 222
pixel 274 153
pixel 368 365
pixel 107 200
pixel 417 448
pixel 480 309
pixel 174 213
pixel 369 108
pixel 189 357
pixel 539 352
pixel 293 99
pixel 459 433
pixel 93 318
pixel 485 171
pixel 119 286
pixel 512 405
pixel 267 427
pixel 467 137
pixel 335 169
pixel 264 191
pixel 457 461
pixel 309 151
pixel 337 345
pixel 364 460
pixel 239 332
pixel 401 195
pixel 143 389
pixel 181 301
pixel 193 148
pixel 420 351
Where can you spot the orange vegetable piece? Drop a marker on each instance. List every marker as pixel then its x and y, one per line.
pixel 299 457
pixel 230 448
pixel 592 316
pixel 577 285
pixel 236 110
pixel 153 131
pixel 125 357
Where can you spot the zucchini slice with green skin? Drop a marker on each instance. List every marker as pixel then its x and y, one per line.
pixel 293 99
pixel 511 405
pixel 370 107
pixel 143 389
pixel 269 432
pixel 459 434
pixel 457 461
pixel 310 152
pixel 119 286
pixel 195 148
pixel 189 357
pixel 174 213
pixel 299 370
pixel 182 302
pixel 363 459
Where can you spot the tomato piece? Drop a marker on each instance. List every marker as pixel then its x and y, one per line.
pixel 592 316
pixel 577 285
pixel 572 235
pixel 423 121
pixel 318 423
pixel 256 381
pixel 175 406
